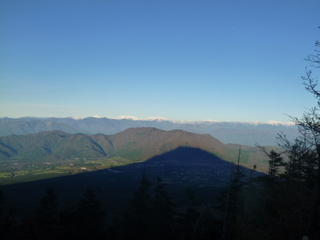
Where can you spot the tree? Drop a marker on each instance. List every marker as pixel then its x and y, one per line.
pixel 8 223
pixel 231 200
pixel 87 220
pixel 188 219
pixel 162 212
pixel 47 212
pixel 286 203
pixel 90 216
pixel 303 166
pixel 137 218
pixel 47 219
pixel 1 200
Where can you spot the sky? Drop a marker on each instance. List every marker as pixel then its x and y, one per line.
pixel 190 60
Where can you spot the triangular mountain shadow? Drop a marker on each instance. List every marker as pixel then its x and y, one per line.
pixel 196 167
pixel 182 168
pixel 187 155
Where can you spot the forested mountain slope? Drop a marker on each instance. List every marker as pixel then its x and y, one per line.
pixel 136 144
pixel 245 133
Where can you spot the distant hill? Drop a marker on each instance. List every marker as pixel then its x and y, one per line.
pixel 133 144
pixel 21 126
pixel 244 133
pixel 136 144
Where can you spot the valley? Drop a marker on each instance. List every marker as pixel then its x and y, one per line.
pixel 117 178
pixel 23 170
pixel 50 154
pixel 181 169
pixel 113 167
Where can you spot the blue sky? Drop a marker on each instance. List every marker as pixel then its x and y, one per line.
pixel 183 60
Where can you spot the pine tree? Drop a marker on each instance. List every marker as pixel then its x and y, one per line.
pixel 188 220
pixel 137 219
pixel 290 205
pixel 47 217
pixel 90 216
pixel 8 221
pixel 303 167
pixel 231 200
pixel 47 212
pixel 87 221
pixel 162 210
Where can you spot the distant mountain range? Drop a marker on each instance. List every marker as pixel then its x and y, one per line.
pixel 244 133
pixel 136 144
pixel 133 144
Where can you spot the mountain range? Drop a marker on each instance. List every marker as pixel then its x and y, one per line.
pixel 136 144
pixel 244 133
pixel 133 145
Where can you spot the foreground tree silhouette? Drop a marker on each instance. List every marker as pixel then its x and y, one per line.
pixel 231 201
pixel 47 212
pixel 188 219
pixel 7 222
pixel 87 221
pixel 149 216
pixel 163 211
pixel 47 215
pixel 292 205
pixel 137 218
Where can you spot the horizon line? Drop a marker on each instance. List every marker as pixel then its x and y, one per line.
pixel 133 118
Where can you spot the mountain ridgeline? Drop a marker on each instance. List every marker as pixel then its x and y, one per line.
pixel 136 144
pixel 244 133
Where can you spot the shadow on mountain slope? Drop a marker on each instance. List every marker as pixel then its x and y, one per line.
pixel 187 155
pixel 180 169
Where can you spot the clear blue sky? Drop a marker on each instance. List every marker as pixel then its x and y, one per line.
pixel 183 60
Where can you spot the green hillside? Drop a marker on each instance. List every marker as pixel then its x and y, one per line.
pixel 46 154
